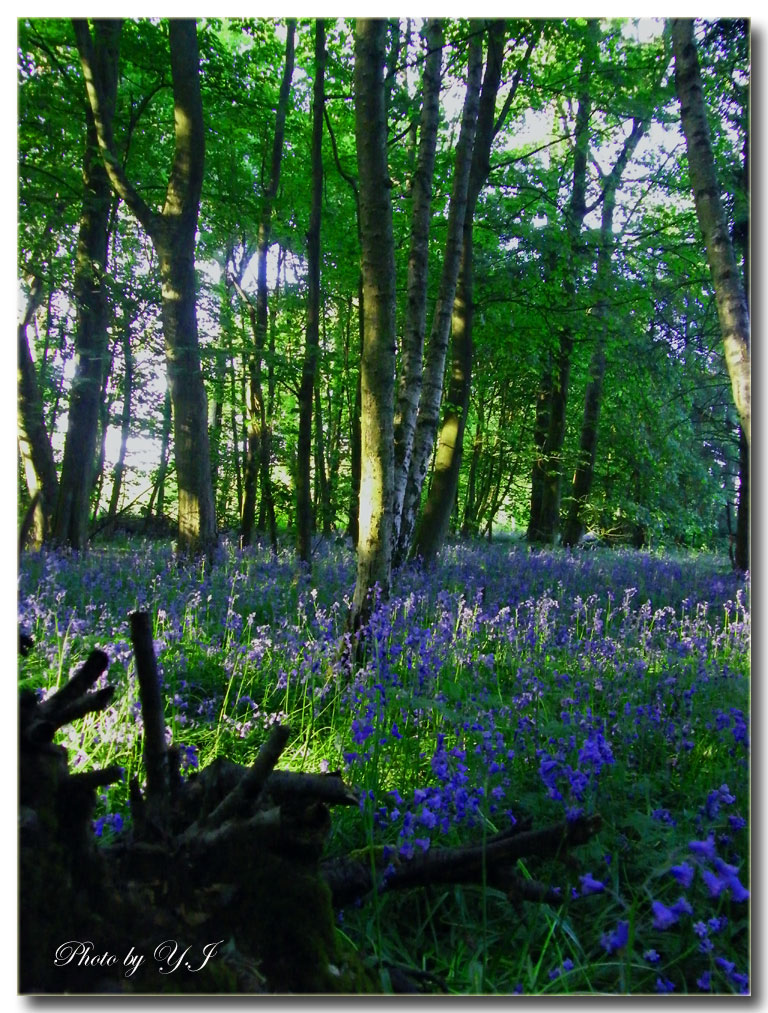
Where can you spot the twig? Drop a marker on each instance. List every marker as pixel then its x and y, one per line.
pixel 152 711
pixel 250 786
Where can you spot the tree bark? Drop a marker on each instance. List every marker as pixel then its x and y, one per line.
pixel 430 394
pixel 172 232
pixel 409 385
pixel 732 307
pixel 125 423
pixel 73 506
pixel 311 351
pixel 158 488
pixel 374 546
pixel 34 444
pixel 435 520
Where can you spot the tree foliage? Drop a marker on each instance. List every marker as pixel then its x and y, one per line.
pixel 556 302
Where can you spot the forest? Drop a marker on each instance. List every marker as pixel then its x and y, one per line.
pixel 384 439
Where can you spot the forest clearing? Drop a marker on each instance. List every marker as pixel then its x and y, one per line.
pixel 384 432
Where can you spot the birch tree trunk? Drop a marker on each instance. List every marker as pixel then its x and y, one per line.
pixel 409 385
pixel 374 544
pixel 435 519
pixel 732 307
pixel 428 416
pixel 312 345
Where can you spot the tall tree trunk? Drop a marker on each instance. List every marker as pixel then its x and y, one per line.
pixel 97 484
pixel 732 307
pixel 545 499
pixel 158 489
pixel 374 546
pixel 741 554
pixel 409 385
pixel 470 521
pixel 585 465
pixel 125 424
pixel 311 351
pixel 76 482
pixel 322 473
pixel 436 517
pixel 34 444
pixel 172 232
pixel 259 437
pixel 428 417
pixel 355 443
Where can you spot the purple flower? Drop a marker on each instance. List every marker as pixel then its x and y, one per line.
pixel 664 985
pixel 651 956
pixel 714 883
pixel 591 885
pixel 730 880
pixel 663 816
pixel 682 907
pixel 617 939
pixel 704 849
pixel 742 980
pixel 705 981
pixel 683 874
pixel 663 916
pixel 726 965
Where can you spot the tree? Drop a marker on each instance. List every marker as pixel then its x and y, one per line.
pixel 585 467
pixel 307 385
pixel 442 495
pixel 34 445
pixel 431 385
pixel 259 437
pixel 548 470
pixel 732 308
pixel 72 514
pixel 410 380
pixel 377 370
pixel 172 231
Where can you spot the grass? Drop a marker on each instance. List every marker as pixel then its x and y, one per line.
pixel 503 684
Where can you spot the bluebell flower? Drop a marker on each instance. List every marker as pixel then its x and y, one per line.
pixel 726 965
pixel 663 916
pixel 664 985
pixel 617 939
pixel 705 981
pixel 652 956
pixel 682 907
pixel 715 885
pixel 591 885
pixel 704 849
pixel 683 873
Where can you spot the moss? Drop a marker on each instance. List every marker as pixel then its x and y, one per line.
pixel 286 916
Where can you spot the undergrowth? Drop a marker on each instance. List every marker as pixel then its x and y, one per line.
pixel 499 686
